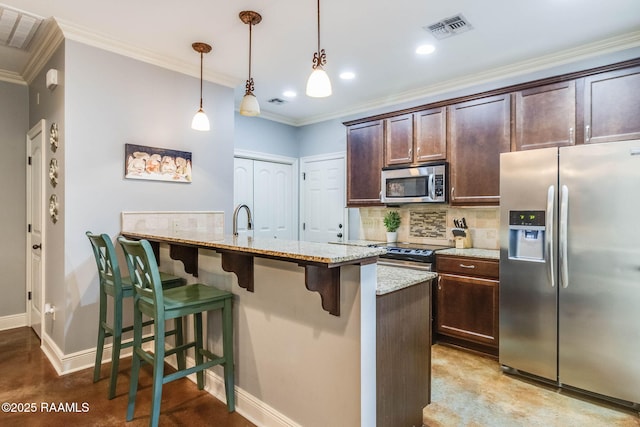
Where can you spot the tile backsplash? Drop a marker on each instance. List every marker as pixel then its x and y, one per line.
pixel 173 222
pixel 432 224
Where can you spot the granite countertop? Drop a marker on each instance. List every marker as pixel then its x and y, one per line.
pixel 392 279
pixel 287 249
pixel 471 252
pixel 358 242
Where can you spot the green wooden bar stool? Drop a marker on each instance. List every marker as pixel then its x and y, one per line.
pixel 113 285
pixel 161 304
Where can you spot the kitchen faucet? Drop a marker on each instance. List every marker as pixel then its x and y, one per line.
pixel 235 218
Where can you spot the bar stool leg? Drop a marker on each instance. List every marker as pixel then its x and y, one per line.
pixel 135 363
pixel 158 372
pixel 181 356
pixel 101 334
pixel 117 345
pixel 227 344
pixel 197 326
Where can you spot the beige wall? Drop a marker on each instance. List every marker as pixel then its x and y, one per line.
pixel 290 354
pixel 432 224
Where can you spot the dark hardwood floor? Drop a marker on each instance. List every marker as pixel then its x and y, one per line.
pixel 27 378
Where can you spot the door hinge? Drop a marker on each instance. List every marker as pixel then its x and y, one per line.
pixel 29 228
pixel 29 295
pixel 29 160
pixel 304 176
pixel 304 225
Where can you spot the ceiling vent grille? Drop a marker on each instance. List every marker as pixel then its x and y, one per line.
pixel 276 101
pixel 17 28
pixel 449 27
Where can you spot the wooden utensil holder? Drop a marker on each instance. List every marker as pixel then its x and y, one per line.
pixel 463 242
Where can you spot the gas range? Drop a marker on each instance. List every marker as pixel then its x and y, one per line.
pixel 412 255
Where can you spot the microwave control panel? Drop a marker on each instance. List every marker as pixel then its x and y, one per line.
pixel 439 185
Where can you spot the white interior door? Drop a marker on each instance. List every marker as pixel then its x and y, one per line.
pixel 35 219
pixel 243 191
pixel 272 199
pixel 323 196
pixel 268 189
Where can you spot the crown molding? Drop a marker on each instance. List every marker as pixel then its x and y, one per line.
pixel 268 115
pixel 44 49
pixel 602 47
pixel 90 37
pixel 11 77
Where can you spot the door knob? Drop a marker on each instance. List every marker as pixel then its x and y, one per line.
pixel 339 235
pixel 38 246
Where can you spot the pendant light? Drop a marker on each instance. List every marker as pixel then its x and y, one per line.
pixel 319 85
pixel 200 120
pixel 249 105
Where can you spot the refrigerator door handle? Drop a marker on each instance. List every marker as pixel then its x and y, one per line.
pixel 549 255
pixel 564 211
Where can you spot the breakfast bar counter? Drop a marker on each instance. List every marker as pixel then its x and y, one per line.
pixel 320 260
pixel 301 359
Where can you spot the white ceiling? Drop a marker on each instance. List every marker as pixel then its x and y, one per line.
pixel 375 39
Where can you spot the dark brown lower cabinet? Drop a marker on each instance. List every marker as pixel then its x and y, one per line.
pixel 467 300
pixel 403 352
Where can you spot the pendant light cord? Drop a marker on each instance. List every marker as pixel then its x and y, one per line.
pixel 201 59
pixel 250 25
pixel 318 26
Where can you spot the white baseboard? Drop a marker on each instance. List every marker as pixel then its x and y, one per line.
pixel 247 405
pixel 13 321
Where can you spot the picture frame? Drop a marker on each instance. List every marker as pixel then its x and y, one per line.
pixel 157 164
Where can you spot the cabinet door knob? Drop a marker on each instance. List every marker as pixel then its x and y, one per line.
pixel 38 246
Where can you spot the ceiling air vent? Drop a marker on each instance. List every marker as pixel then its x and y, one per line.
pixel 17 28
pixel 277 101
pixel 449 27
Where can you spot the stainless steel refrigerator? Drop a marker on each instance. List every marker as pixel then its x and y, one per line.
pixel 570 267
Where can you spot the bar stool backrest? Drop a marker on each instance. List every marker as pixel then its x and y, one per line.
pixel 107 262
pixel 143 270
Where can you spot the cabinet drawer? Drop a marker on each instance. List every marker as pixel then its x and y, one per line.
pixel 467 266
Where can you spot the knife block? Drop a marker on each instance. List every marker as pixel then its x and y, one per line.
pixel 463 242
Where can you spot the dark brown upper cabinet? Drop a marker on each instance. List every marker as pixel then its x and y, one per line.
pixel 416 137
pixel 612 106
pixel 398 141
pixel 431 135
pixel 364 163
pixel 545 116
pixel 479 130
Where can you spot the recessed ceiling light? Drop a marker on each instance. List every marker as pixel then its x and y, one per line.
pixel 425 49
pixel 347 75
pixel 289 94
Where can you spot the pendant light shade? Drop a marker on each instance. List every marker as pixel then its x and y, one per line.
pixel 318 84
pixel 200 120
pixel 249 105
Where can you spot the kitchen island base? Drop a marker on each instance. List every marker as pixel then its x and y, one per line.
pixel 403 351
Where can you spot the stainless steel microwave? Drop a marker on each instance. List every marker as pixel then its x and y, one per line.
pixel 419 184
